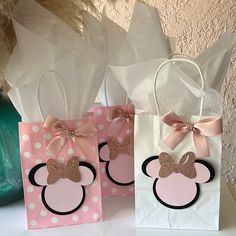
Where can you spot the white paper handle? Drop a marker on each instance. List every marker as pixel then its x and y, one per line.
pixel 181 60
pixel 105 89
pixel 63 92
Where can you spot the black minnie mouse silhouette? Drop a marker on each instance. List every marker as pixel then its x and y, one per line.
pixel 62 187
pixel 119 160
pixel 177 185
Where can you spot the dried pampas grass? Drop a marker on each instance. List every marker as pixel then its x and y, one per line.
pixel 7 38
pixel 68 10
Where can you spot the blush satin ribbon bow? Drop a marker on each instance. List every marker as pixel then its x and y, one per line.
pixel 201 130
pixel 61 134
pixel 57 171
pixel 116 148
pixel 185 167
pixel 119 117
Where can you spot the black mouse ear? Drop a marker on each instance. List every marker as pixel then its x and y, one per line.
pixel 151 167
pixel 205 171
pixel 104 152
pixel 38 175
pixel 87 172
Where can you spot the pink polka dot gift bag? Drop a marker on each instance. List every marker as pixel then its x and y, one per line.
pixel 115 125
pixel 60 172
pixel 60 169
pixel 53 84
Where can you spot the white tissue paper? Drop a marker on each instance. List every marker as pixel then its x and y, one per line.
pixel 180 89
pixel 45 44
pixel 215 60
pixel 107 37
pixel 137 78
pixel 144 41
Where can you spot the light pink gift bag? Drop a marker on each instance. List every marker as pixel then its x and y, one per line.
pixel 115 126
pixel 60 171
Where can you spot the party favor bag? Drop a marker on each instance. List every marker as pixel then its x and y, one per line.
pixel 60 171
pixel 177 183
pixel 58 138
pixel 178 158
pixel 178 151
pixel 114 121
pixel 115 126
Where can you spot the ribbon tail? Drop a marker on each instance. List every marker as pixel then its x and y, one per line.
pixel 84 145
pixel 201 145
pixel 174 138
pixel 55 145
pixel 131 125
pixel 116 126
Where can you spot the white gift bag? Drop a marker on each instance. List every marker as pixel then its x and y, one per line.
pixel 178 154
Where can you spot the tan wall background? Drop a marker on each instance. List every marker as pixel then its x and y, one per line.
pixel 195 25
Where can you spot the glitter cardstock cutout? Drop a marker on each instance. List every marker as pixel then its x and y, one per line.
pixel 185 167
pixel 119 160
pixel 177 186
pixel 63 187
pixel 57 171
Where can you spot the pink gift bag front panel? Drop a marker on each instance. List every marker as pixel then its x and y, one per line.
pixel 122 168
pixel 84 202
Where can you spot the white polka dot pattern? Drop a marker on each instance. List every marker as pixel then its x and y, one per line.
pixel 34 140
pixel 54 220
pixel 38 161
pixel 95 199
pixel 85 208
pixel 82 158
pixel 103 123
pixel 33 222
pixel 120 139
pixel 27 154
pixel 43 213
pixel 101 126
pixel 96 216
pixel 131 188
pixel 32 206
pixel 99 112
pixel 47 136
pixel 75 218
pixel 70 151
pixel 101 140
pixel 30 189
pixel 61 160
pixel 114 190
pixel 104 184
pixel 25 137
pixel 37 145
pixel 35 128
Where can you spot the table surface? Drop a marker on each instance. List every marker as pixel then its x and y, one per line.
pixel 119 219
